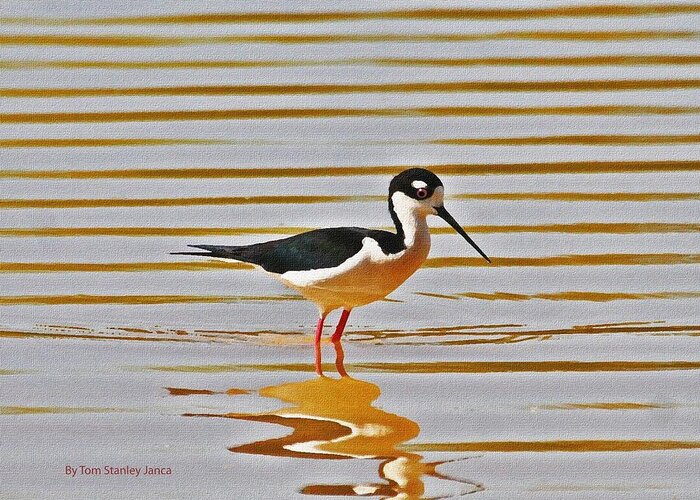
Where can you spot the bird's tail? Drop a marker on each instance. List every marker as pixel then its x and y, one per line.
pixel 222 251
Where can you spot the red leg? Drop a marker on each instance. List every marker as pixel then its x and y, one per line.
pixel 340 359
pixel 317 344
pixel 341 325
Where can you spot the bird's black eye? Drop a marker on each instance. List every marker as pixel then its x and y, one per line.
pixel 421 193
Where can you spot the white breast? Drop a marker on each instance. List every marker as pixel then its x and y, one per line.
pixel 367 276
pixel 370 274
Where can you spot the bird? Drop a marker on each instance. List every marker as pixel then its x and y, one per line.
pixel 348 267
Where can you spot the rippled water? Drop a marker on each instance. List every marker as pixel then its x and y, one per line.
pixel 567 137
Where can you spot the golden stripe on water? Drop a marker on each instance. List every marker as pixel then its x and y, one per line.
pixel 586 140
pixel 437 295
pixel 434 14
pixel 307 113
pixel 598 60
pixel 569 260
pixel 574 197
pixel 91 336
pixel 42 410
pixel 580 446
pixel 92 143
pixel 576 296
pixel 311 89
pixel 171 202
pixel 604 406
pixel 603 227
pixel 459 331
pixel 590 140
pixel 117 267
pixel 584 167
pixel 581 228
pixel 12 300
pixel 183 391
pixel 161 41
pixel 145 231
pixel 483 334
pixel 449 367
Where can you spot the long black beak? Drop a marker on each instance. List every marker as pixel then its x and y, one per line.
pixel 445 215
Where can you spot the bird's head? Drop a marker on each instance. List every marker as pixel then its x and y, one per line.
pixel 420 192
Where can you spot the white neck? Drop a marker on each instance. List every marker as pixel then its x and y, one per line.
pixel 413 220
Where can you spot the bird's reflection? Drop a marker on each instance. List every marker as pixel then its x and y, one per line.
pixel 334 419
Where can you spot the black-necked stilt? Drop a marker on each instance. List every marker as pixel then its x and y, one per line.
pixel 347 267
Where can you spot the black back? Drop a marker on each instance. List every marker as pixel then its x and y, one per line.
pixel 318 249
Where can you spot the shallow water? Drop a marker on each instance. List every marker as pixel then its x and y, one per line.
pixel 567 138
pixel 421 420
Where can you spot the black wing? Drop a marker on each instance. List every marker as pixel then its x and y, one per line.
pixel 318 249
